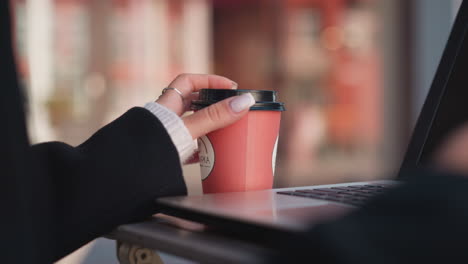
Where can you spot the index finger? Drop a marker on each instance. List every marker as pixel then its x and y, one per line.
pixel 191 83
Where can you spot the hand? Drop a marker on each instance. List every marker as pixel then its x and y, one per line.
pixel 453 153
pixel 210 118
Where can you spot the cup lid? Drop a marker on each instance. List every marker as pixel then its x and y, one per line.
pixel 265 99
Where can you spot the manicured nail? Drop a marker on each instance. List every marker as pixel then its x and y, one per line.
pixel 234 85
pixel 242 102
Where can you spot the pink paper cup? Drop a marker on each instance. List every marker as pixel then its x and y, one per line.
pixel 242 156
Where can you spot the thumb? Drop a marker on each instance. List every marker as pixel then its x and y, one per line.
pixel 218 115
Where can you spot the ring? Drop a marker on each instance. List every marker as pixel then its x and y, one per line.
pixel 174 89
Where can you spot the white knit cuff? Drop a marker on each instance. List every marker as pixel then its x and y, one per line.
pixel 176 129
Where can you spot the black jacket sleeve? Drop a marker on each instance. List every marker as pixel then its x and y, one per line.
pixel 112 178
pixel 424 220
pixel 54 197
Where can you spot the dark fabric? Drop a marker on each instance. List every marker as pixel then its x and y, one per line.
pixel 55 197
pixel 421 221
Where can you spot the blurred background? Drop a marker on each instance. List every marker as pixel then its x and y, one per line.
pixel 353 74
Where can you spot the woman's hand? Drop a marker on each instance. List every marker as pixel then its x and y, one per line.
pixel 210 118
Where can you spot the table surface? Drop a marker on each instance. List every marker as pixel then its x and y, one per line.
pixel 191 241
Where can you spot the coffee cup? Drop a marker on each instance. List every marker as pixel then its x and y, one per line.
pixel 242 156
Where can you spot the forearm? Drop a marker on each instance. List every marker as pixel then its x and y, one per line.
pixel 111 179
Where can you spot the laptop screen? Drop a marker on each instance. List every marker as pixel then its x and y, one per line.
pixel 446 106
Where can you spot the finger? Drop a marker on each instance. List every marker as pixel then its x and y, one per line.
pixel 188 101
pixel 218 115
pixel 189 83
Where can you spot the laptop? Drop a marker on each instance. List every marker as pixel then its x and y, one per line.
pixel 295 209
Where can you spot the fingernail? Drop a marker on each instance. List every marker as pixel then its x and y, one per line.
pixel 234 85
pixel 242 102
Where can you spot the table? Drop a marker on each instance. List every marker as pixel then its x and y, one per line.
pixel 136 243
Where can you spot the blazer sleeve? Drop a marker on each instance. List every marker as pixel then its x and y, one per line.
pixel 421 221
pixel 113 178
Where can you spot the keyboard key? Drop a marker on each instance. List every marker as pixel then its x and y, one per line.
pixel 372 187
pixel 350 192
pixel 319 193
pixel 364 191
pixel 379 185
pixel 341 188
pixel 355 187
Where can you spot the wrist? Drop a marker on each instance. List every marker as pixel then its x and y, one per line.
pixel 175 127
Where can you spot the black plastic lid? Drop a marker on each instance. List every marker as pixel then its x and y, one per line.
pixel 265 99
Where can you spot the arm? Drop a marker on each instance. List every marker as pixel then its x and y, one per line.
pixel 112 178
pixel 55 198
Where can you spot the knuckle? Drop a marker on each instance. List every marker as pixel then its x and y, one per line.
pixel 214 113
pixel 183 76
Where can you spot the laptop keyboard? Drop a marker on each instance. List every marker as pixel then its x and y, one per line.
pixel 352 195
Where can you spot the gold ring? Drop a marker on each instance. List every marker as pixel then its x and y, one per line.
pixel 174 89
